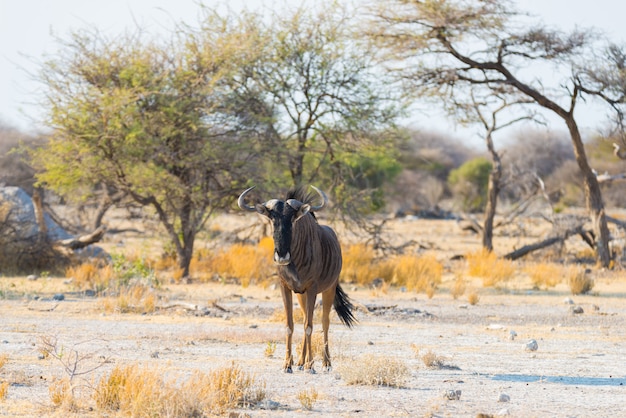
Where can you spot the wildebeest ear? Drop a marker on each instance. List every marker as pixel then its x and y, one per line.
pixel 262 209
pixel 304 209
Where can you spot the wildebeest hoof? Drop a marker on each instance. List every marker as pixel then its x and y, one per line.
pixel 288 370
pixel 311 371
pixel 300 367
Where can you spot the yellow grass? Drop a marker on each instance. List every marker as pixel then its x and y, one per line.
pixel 486 265
pixel 473 298
pixel 374 371
pixel 545 275
pixel 91 275
pixel 134 391
pixel 246 263
pixel 307 398
pixel 131 299
pixel 420 274
pixel 579 282
pixel 358 261
pixel 458 288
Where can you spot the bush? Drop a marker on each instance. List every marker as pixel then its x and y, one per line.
pixel 469 183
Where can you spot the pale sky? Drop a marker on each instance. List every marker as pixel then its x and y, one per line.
pixel 28 27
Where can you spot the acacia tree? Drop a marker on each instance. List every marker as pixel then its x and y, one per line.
pixel 153 121
pixel 323 98
pixel 448 46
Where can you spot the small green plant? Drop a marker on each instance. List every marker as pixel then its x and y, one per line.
pixel 270 349
pixel 307 398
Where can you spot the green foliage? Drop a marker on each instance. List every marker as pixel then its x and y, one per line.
pixel 368 170
pixel 127 270
pixel 470 181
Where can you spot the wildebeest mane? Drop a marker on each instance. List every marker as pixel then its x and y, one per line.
pixel 299 193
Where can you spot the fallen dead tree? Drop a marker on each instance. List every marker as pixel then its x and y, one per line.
pixel 586 235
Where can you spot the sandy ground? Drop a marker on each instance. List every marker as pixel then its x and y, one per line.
pixel 578 370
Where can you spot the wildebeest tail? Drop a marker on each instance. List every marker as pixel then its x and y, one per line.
pixel 344 307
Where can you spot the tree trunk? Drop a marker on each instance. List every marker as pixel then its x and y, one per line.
pixel 593 195
pixel 39 214
pixel 493 189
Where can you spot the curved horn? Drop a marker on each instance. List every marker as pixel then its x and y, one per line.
pixel 241 201
pixel 324 200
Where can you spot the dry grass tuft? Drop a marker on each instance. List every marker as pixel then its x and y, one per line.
pixel 434 361
pixel 374 371
pixel 458 288
pixel 420 274
pixel 4 359
pixel 317 345
pixel 473 298
pixel 579 282
pixel 134 391
pixel 246 263
pixel 358 262
pixel 270 349
pixel 62 395
pixel 307 398
pixel 91 275
pixel 545 275
pixel 132 299
pixel 4 389
pixel 489 267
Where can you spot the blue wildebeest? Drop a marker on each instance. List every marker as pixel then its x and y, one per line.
pixel 308 259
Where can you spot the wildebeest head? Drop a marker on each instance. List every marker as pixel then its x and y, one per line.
pixel 283 215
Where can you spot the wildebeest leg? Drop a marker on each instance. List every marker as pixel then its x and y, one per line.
pixel 327 302
pixel 310 296
pixel 288 302
pixel 302 358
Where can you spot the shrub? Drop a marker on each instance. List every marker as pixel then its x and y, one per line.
pixel 469 183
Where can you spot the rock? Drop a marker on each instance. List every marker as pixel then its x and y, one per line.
pixel 268 404
pixel 504 398
pixel 576 310
pixel 58 297
pixel 452 395
pixel 154 354
pixel 568 301
pixel 512 335
pixel 32 277
pixel 531 345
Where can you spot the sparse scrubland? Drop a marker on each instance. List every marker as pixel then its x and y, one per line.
pixel 133 338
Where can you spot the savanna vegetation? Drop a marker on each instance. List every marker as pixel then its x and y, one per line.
pixel 168 131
